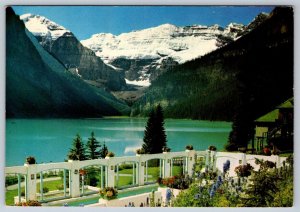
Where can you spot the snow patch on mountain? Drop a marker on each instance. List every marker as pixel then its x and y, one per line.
pixel 180 43
pixel 140 82
pixel 41 26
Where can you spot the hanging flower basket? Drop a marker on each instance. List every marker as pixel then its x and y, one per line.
pixel 82 172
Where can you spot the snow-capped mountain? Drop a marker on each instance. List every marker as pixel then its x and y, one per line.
pixel 79 60
pixel 43 27
pixel 180 43
pixel 141 53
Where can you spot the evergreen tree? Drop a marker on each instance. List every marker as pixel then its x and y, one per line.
pixel 77 152
pixel 92 147
pixel 155 136
pixel 103 151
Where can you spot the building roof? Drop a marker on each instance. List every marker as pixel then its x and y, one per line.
pixel 273 115
pixel 287 104
pixel 269 117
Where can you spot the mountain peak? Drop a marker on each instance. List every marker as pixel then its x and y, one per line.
pixel 41 26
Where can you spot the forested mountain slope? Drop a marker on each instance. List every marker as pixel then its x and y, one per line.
pixel 255 70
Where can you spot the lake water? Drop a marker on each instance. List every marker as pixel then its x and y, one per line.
pixel 49 140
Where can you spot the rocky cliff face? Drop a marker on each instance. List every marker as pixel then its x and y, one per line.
pixel 63 45
pixel 37 85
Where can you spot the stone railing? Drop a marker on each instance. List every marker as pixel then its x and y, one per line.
pixel 109 168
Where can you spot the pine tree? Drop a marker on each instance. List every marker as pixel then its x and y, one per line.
pixel 92 147
pixel 103 151
pixel 155 137
pixel 77 152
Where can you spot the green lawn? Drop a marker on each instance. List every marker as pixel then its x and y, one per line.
pixel 52 185
pixel 152 171
pixel 10 194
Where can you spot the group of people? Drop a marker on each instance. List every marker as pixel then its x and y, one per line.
pixel 131 204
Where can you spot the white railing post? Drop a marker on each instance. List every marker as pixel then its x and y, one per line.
pixel 191 162
pixel 74 185
pixel 207 159
pixel 142 172
pixel 31 182
pixel 167 165
pixel 101 176
pixel 110 176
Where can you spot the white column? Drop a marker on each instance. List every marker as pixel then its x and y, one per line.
pixel 117 183
pixel 163 168
pixel 167 165
pixel 171 165
pixel 65 184
pixel 146 171
pixel 26 187
pixel 70 187
pixel 137 173
pixel 191 162
pixel 82 184
pixel 160 173
pixel 31 182
pixel 133 173
pixel 207 159
pixel 142 173
pixel 41 186
pixel 183 165
pixel 19 187
pixel 186 164
pixel 101 177
pixel 106 177
pixel 110 176
pixel 75 179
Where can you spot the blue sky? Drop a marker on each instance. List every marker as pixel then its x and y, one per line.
pixel 85 21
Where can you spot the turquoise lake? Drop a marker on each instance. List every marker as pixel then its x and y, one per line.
pixel 49 140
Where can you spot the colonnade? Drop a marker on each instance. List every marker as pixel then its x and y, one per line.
pixel 109 172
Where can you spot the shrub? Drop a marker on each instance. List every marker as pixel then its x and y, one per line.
pixel 108 193
pixel 212 148
pixel 140 151
pixel 177 182
pixel 243 170
pixel 45 189
pixel 231 147
pixel 159 181
pixel 189 147
pixel 29 203
pixel 60 187
pixel 166 149
pixel 110 154
pixel 30 160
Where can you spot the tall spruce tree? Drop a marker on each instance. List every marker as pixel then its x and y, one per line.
pixel 103 151
pixel 92 147
pixel 155 137
pixel 77 152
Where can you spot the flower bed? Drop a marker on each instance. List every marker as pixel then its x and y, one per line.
pixel 108 193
